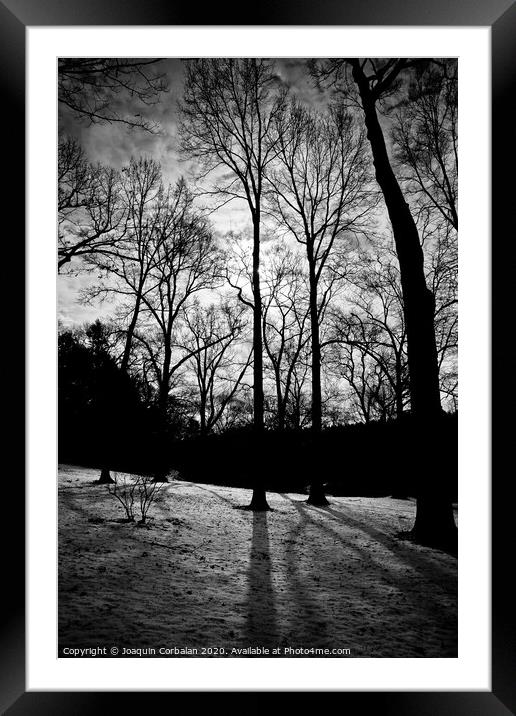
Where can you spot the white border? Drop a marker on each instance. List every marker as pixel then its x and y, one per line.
pixel 471 670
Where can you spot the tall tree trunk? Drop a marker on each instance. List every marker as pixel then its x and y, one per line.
pixel 259 498
pixel 160 474
pixel 316 496
pixel 316 351
pixel 418 302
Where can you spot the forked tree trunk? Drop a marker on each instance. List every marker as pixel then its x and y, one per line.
pixel 434 523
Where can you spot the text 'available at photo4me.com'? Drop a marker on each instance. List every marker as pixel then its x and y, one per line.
pixel 176 651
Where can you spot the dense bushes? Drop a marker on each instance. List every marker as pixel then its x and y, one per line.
pixel 359 459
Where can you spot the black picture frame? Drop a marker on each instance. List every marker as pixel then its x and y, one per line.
pixel 500 16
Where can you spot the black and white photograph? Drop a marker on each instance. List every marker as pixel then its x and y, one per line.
pixel 257 328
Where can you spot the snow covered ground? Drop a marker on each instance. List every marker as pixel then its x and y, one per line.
pixel 208 576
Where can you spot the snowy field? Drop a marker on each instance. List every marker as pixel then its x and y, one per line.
pixel 206 575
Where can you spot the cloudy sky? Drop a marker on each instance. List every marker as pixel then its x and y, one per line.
pixel 114 145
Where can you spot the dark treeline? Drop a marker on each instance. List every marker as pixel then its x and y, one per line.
pixel 355 459
pixel 315 346
pixel 103 419
pixel 366 469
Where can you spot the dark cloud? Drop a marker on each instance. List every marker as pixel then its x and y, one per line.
pixel 296 76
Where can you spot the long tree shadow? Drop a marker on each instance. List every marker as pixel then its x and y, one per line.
pixel 310 623
pixel 261 618
pixel 402 549
pixel 403 582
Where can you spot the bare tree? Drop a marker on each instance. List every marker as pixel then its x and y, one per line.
pixel 285 319
pixel 376 83
pixel 425 140
pixel 90 211
pixel 321 193
pixel 369 394
pixel 442 270
pixel 167 256
pixel 185 263
pixel 93 89
pixel 374 330
pixel 151 211
pixel 219 364
pixel 368 338
pixel 125 262
pixel 299 405
pixel 74 176
pixel 426 155
pixel 228 112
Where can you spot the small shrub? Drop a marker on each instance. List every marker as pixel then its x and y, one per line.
pixel 135 489
pixel 123 489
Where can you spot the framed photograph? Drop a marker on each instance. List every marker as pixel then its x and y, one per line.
pixel 268 346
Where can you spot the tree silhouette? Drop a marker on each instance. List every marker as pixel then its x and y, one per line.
pixel 426 141
pixel 372 335
pixel 347 266
pixel 321 193
pixel 285 325
pixel 125 270
pixel 185 262
pixel 90 211
pixel 228 111
pixel 376 82
pixel 218 366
